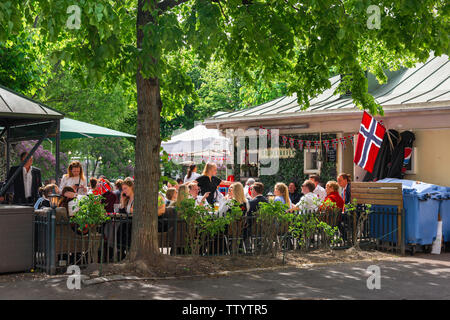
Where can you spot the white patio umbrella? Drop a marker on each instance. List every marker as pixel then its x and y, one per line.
pixel 197 144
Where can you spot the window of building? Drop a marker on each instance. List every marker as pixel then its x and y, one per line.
pixel 310 161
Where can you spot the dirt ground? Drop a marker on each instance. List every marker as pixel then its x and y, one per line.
pixel 179 266
pixel 190 265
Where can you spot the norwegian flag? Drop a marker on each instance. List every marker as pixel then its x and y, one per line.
pixel 104 186
pixel 300 144
pixel 284 138
pixel 370 137
pixel 326 143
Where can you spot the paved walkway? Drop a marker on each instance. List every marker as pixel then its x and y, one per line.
pixel 419 277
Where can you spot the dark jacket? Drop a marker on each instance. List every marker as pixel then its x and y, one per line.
pixel 109 201
pixel 295 197
pixel 348 195
pixel 254 204
pixel 18 187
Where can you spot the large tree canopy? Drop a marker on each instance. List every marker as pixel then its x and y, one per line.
pixel 292 42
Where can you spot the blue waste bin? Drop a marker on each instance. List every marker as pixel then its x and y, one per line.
pixel 421 203
pixel 421 217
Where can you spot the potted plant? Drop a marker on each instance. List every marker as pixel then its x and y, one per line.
pixel 90 213
pixel 253 170
pixel 245 170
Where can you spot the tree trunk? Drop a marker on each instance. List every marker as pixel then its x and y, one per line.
pixel 144 244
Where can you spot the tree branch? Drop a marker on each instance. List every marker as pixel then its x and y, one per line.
pixel 169 4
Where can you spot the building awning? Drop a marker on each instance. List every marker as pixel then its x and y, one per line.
pixel 16 109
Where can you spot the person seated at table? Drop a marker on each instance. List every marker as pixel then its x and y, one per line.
pixel 127 196
pixel 68 194
pixel 310 201
pixel 247 190
pixel 109 197
pixel 183 193
pixel 74 178
pixel 321 193
pixel 208 182
pixel 43 201
pixel 257 194
pixel 193 192
pixel 118 189
pixel 333 196
pixel 171 196
pixel 93 186
pixel 294 195
pixel 282 194
pixel 235 192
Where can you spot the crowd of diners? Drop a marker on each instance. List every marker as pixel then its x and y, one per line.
pixel 117 197
pixel 28 189
pixel 204 188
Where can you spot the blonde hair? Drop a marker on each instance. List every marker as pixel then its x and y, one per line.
pixel 238 192
pixel 283 189
pixel 208 168
pixel 75 164
pixel 170 193
pixel 130 183
pixel 183 193
pixel 333 185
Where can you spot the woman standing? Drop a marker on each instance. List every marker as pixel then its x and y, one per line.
pixel 127 196
pixel 208 182
pixel 74 178
pixel 191 174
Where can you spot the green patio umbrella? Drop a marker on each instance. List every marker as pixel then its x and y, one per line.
pixel 71 129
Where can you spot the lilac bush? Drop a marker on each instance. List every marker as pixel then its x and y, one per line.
pixel 42 158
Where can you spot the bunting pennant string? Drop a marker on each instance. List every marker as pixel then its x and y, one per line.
pixel 300 144
pixel 308 144
pixel 316 145
pixel 326 143
pixel 343 142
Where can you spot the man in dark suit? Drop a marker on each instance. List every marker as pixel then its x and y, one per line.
pixel 294 196
pixel 27 183
pixel 257 190
pixel 344 181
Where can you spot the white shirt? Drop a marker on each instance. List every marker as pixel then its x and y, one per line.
pixel 320 192
pixel 246 194
pixel 225 206
pixel 67 181
pixel 193 177
pixel 74 203
pixel 27 182
pixel 309 202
